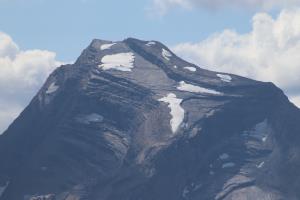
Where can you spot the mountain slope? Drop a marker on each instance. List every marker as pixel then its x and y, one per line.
pixel 130 120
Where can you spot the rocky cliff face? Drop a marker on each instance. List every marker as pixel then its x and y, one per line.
pixel 132 121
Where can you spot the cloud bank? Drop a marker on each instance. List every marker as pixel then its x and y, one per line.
pixel 21 75
pixel 161 7
pixel 270 52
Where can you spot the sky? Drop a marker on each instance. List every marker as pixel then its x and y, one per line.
pixel 67 26
pixel 259 39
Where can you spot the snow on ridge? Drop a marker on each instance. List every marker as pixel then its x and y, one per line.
pixel 177 111
pixel 150 43
pixel 192 69
pixel 119 61
pixel 183 86
pixel 52 88
pixel 107 46
pixel 224 77
pixel 166 54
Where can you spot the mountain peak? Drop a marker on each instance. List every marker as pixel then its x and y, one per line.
pixel 133 116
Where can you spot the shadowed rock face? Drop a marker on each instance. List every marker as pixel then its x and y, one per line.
pixel 132 121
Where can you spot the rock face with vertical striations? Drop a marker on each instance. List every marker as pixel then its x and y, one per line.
pixel 132 121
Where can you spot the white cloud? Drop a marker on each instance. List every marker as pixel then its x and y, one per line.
pixel 270 52
pixel 21 75
pixel 8 112
pixel 7 46
pixel 296 100
pixel 161 7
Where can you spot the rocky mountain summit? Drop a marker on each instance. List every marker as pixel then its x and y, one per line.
pixel 130 120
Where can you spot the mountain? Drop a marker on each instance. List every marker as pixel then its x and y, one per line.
pixel 130 120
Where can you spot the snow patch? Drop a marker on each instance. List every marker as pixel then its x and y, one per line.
pixel 192 69
pixel 166 54
pixel 3 188
pixel 264 139
pixel 261 165
pixel 228 165
pixel 120 61
pixel 190 189
pixel 91 118
pixel 224 77
pixel 177 111
pixel 260 131
pixel 224 156
pixel 107 46
pixel 52 88
pixel 151 43
pixel 183 86
pixel 43 197
pixel 185 192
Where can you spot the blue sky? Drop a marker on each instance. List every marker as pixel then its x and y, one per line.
pixel 67 26
pixel 259 39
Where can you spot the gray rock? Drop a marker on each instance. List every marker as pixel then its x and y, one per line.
pixel 103 133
